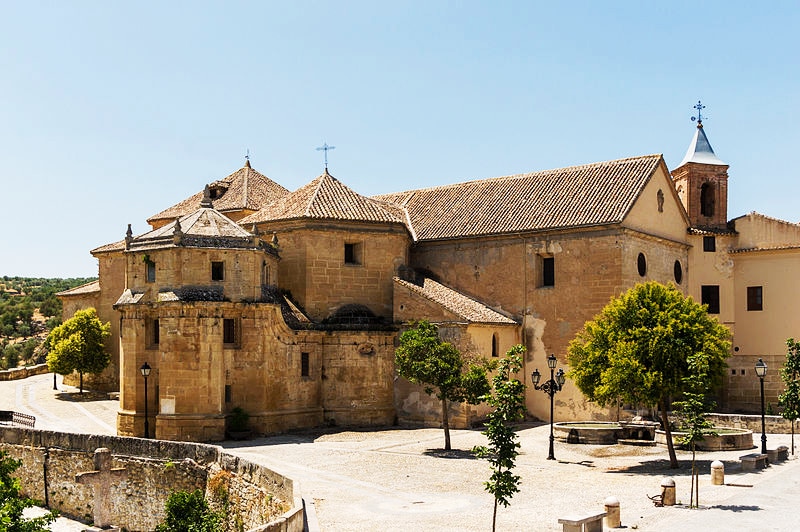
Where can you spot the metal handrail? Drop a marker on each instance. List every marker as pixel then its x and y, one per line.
pixel 18 418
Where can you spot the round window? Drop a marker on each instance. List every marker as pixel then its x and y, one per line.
pixel 678 271
pixel 641 264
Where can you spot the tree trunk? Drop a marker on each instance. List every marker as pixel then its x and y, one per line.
pixel 445 425
pixel 792 423
pixel 673 460
pixel 81 386
pixel 494 516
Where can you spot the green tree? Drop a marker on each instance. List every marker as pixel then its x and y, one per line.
pixel 189 512
pixel 12 505
pixel 641 347
pixel 423 358
pixel 51 306
pixel 789 400
pixel 77 345
pixel 508 400
pixel 692 409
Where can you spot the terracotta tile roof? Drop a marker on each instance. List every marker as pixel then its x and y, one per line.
pixel 244 189
pixel 327 198
pixel 592 194
pixel 203 228
pixel 114 246
pixel 91 287
pixel 457 303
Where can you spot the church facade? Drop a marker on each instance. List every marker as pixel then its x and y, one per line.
pixel 289 304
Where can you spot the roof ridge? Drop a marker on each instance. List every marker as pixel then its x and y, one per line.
pixel 766 216
pixel 313 198
pixel 480 307
pixel 523 175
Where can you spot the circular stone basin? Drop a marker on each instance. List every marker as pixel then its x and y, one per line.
pixel 727 439
pixel 591 432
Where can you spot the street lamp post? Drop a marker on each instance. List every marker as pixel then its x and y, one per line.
pixel 145 369
pixel 761 371
pixel 550 387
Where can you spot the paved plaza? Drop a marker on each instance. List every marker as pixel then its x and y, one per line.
pixel 400 479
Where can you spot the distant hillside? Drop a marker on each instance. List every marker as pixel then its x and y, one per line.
pixel 28 310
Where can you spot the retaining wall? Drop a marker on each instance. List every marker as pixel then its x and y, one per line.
pixel 773 424
pixel 22 373
pixel 254 497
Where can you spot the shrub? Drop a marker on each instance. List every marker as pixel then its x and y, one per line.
pixel 189 512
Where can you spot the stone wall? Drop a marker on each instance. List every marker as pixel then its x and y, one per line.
pixel 255 497
pixel 23 373
pixel 773 424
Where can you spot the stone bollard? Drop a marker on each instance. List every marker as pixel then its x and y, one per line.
pixel 612 512
pixel 668 491
pixel 717 473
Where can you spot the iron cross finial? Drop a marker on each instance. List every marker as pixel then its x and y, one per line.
pixel 247 157
pixel 325 148
pixel 699 116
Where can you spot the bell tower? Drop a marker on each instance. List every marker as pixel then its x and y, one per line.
pixel 701 180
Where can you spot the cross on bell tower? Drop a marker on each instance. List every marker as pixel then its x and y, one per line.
pixel 325 148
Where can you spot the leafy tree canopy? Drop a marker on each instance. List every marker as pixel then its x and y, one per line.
pixel 77 345
pixel 642 346
pixel 789 400
pixel 424 358
pixel 508 401
pixel 12 505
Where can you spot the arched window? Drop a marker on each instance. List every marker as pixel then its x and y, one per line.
pixel 641 264
pixel 707 199
pixel 495 347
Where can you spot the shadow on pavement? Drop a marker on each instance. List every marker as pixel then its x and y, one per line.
pixel 662 468
pixel 452 453
pixel 86 396
pixel 737 508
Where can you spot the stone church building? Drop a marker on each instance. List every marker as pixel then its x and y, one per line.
pixel 288 304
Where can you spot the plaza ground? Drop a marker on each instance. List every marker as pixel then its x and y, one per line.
pixel 401 479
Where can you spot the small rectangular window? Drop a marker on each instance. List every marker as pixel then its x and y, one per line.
pixel 227 393
pixel 305 367
pixel 754 298
pixel 152 333
pixel 230 332
pixel 709 295
pixel 352 253
pixel 151 271
pixel 217 271
pixel 709 243
pixel 548 271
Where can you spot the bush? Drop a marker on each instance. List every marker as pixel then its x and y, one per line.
pixel 189 512
pixel 12 505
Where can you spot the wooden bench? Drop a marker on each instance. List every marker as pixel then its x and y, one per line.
pixel 588 523
pixel 751 462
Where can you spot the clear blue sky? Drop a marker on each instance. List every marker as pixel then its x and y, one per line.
pixel 113 111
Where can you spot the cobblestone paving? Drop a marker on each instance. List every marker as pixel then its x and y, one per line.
pixel 400 479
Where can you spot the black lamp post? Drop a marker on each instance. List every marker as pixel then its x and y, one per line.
pixel 550 388
pixel 761 371
pixel 145 369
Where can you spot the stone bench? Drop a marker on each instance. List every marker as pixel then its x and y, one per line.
pixel 778 455
pixel 588 523
pixel 751 462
